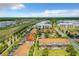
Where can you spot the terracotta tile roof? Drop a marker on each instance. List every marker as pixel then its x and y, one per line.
pixel 31 35
pixel 48 40
pixel 33 31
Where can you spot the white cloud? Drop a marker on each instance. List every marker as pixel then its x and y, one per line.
pixel 56 13
pixel 17 6
pixel 13 6
pixel 45 13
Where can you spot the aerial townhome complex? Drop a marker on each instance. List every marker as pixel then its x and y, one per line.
pixel 39 29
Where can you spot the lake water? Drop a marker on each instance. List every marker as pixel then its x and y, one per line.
pixel 5 23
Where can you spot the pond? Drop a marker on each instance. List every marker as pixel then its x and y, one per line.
pixel 5 23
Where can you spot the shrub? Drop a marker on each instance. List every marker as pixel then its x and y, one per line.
pixel 47 35
pixel 71 50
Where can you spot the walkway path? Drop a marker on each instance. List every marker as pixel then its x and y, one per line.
pixel 23 49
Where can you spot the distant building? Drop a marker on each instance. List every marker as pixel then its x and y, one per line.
pixel 43 24
pixel 68 23
pixel 53 43
pixel 6 23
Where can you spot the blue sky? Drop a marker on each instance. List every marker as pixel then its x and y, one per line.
pixel 52 6
pixel 39 10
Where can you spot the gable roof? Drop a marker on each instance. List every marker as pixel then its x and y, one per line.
pixel 49 40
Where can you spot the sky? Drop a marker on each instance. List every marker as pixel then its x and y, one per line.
pixel 39 9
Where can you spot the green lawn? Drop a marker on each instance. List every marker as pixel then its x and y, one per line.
pixel 57 53
pixel 52 53
pixel 77 53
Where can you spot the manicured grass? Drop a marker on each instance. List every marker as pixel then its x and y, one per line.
pixel 57 53
pixel 77 53
pixel 52 53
